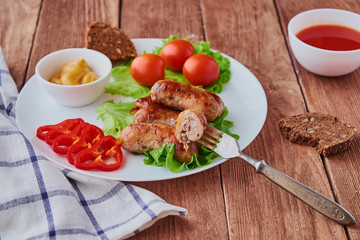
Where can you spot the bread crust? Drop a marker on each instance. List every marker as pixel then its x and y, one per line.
pixel 111 41
pixel 327 133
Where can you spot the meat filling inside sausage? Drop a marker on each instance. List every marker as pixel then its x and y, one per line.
pixel 158 120
pixel 189 126
pixel 143 137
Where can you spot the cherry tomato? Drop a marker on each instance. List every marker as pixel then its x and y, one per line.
pixel 147 68
pixel 176 52
pixel 201 69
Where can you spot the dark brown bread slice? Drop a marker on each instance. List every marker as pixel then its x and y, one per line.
pixel 327 133
pixel 113 42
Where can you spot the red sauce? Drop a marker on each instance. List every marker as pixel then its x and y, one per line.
pixel 331 37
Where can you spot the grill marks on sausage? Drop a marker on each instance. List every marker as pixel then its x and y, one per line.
pixel 142 103
pixel 182 96
pixel 154 114
pixel 140 137
pixel 174 112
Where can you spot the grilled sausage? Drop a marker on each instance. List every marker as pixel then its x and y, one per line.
pixel 154 114
pixel 189 126
pixel 147 136
pixel 142 103
pixel 182 96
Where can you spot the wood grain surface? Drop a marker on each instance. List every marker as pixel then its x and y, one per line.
pixel 62 24
pixel 18 22
pixel 339 96
pixel 202 193
pixel 258 42
pixel 229 201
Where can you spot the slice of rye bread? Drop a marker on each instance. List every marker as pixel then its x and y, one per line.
pixel 112 42
pixel 327 133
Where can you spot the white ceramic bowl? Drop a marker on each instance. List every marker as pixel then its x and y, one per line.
pixel 74 95
pixel 320 61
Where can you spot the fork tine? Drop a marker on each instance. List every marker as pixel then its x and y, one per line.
pixel 228 147
pixel 206 144
pixel 212 129
pixel 211 135
pixel 221 143
pixel 213 132
pixel 209 139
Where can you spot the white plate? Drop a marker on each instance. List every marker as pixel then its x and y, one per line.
pixel 243 96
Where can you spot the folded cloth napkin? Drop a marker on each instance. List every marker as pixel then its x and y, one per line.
pixel 39 200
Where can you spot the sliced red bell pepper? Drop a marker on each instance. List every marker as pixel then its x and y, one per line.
pixel 49 132
pixel 105 155
pixel 43 130
pixel 90 135
pixel 62 143
pixel 84 144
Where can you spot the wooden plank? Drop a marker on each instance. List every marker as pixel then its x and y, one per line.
pixel 339 96
pixel 201 194
pixel 65 28
pixel 62 24
pixel 159 19
pixel 256 208
pixel 17 28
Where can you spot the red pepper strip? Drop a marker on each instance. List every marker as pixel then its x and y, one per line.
pixel 62 143
pixel 43 130
pixel 67 128
pixel 53 131
pixel 90 135
pixel 106 149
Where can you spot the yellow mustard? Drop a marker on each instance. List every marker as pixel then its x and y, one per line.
pixel 75 73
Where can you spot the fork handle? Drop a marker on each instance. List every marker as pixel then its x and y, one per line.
pixel 311 197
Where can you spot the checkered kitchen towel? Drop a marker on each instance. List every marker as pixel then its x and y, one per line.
pixel 40 201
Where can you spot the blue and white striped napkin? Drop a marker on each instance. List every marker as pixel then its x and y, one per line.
pixel 40 201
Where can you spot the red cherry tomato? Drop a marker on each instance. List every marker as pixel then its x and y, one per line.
pixel 201 69
pixel 176 52
pixel 147 68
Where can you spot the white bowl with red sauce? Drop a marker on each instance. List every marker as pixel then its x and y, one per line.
pixel 326 41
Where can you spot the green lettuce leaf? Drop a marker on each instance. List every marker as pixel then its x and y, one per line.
pixel 163 156
pixel 125 85
pixel 203 47
pixel 224 125
pixel 176 76
pixel 115 116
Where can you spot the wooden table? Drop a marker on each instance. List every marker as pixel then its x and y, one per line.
pixel 229 201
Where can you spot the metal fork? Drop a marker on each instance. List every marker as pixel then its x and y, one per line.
pixel 228 147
